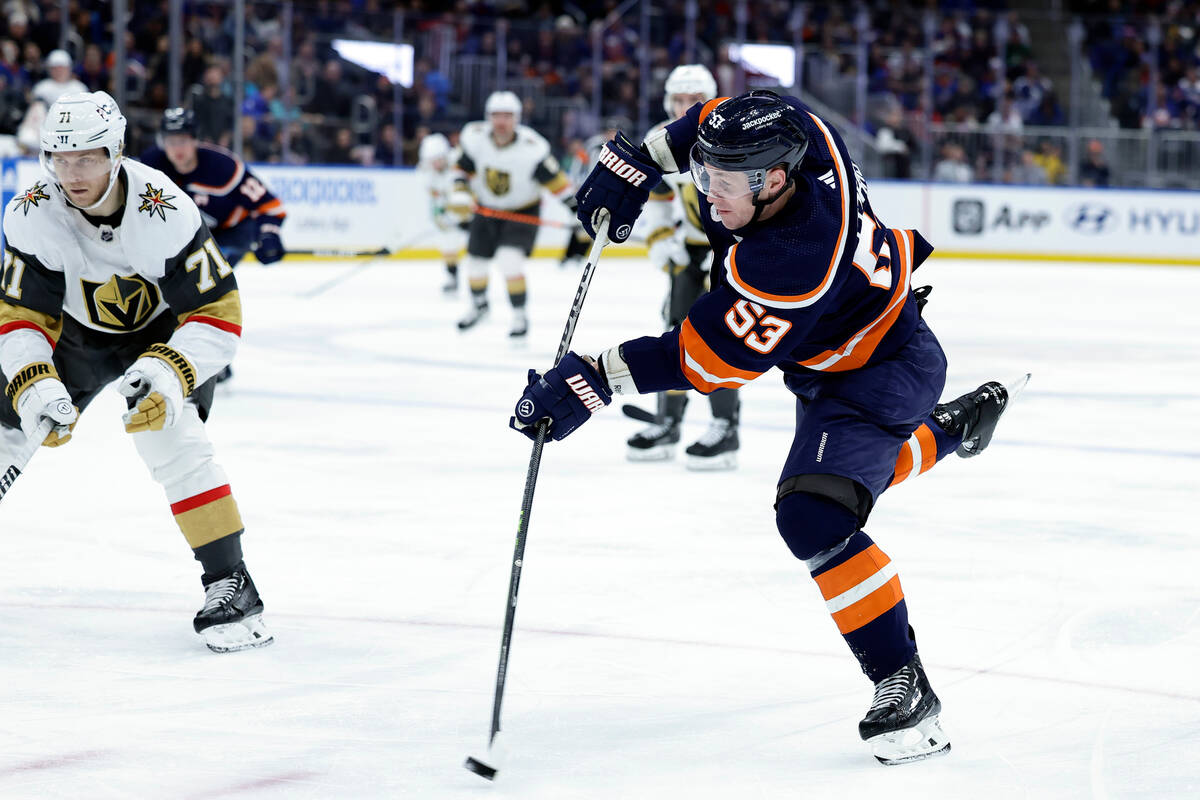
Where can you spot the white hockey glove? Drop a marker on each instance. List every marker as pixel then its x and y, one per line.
pixel 460 205
pixel 36 394
pixel 668 253
pixel 157 383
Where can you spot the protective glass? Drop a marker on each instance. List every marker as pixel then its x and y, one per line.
pixel 78 166
pixel 726 184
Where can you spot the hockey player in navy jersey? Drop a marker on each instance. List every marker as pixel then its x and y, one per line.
pixel 238 208
pixel 807 279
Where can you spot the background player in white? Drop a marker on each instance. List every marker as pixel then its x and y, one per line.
pixel 505 165
pixel 679 246
pixel 435 162
pixel 110 274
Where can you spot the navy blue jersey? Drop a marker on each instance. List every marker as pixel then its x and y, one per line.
pixel 223 187
pixel 822 285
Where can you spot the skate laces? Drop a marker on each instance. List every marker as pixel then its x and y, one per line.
pixel 219 593
pixel 656 430
pixel 891 690
pixel 715 433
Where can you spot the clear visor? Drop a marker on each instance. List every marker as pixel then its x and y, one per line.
pixel 77 166
pixel 726 184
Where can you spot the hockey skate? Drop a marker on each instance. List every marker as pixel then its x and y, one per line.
pixel 231 618
pixel 520 324
pixel 474 315
pixel 976 414
pixel 716 449
pixel 450 287
pixel 902 723
pixel 656 443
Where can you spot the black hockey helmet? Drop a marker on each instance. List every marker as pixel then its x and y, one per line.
pixel 178 120
pixel 750 134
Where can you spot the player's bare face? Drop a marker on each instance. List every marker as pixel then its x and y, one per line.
pixel 504 126
pixel 84 175
pixel 680 103
pixel 181 151
pixel 732 195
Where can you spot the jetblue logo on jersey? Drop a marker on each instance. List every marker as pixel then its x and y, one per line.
pixel 153 202
pixel 1091 218
pixel 31 197
pixel 622 168
pixel 120 303
pixel 586 394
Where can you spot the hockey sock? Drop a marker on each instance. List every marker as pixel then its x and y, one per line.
pixel 862 592
pixel 479 292
pixel 671 406
pixel 516 292
pixel 221 556
pixel 929 444
pixel 725 405
pixel 452 268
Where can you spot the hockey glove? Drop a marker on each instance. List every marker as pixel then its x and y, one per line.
pixel 619 183
pixel 567 395
pixel 156 384
pixel 36 393
pixel 270 246
pixel 460 205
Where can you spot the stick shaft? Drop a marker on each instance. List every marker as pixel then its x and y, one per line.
pixel 10 471
pixel 516 216
pixel 535 461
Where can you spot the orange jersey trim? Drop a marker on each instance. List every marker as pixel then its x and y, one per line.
pixel 703 368
pixel 859 348
pixel 928 447
pixel 904 464
pixel 266 208
pixel 237 215
pixel 228 186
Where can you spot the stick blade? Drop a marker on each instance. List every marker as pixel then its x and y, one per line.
pixel 489 765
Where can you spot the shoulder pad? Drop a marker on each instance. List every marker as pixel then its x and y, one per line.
pixel 529 136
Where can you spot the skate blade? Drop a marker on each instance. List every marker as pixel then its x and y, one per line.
pixel 235 636
pixel 712 463
pixel 925 740
pixel 660 453
pixel 1016 386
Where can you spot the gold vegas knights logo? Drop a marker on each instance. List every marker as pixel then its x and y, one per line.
pixel 120 303
pixel 498 181
pixel 31 197
pixel 153 202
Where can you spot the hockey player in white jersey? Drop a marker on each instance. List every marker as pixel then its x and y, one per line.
pixel 109 273
pixel 435 162
pixel 506 165
pixel 680 247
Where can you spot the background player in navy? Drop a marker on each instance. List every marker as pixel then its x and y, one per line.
pixel 238 208
pixel 812 282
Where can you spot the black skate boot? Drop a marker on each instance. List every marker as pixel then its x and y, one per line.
pixel 657 443
pixel 232 615
pixel 976 414
pixel 477 312
pixel 902 723
pixel 451 284
pixel 716 449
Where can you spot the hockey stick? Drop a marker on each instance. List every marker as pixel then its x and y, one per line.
pixel 488 768
pixel 638 413
pixel 371 256
pixel 514 216
pixel 10 472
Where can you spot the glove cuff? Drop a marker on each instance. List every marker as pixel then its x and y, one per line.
pixel 26 377
pixel 178 363
pixel 615 372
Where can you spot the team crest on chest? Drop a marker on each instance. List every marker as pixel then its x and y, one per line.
pixel 153 202
pixel 498 181
pixel 120 303
pixel 31 197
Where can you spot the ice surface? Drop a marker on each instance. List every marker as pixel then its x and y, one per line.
pixel 667 644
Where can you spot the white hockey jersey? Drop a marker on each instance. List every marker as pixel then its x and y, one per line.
pixel 116 278
pixel 676 203
pixel 509 178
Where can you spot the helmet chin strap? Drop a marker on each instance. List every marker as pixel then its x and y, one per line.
pixel 759 204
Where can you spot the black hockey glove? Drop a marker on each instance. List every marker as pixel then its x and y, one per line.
pixel 270 246
pixel 620 183
pixel 567 395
